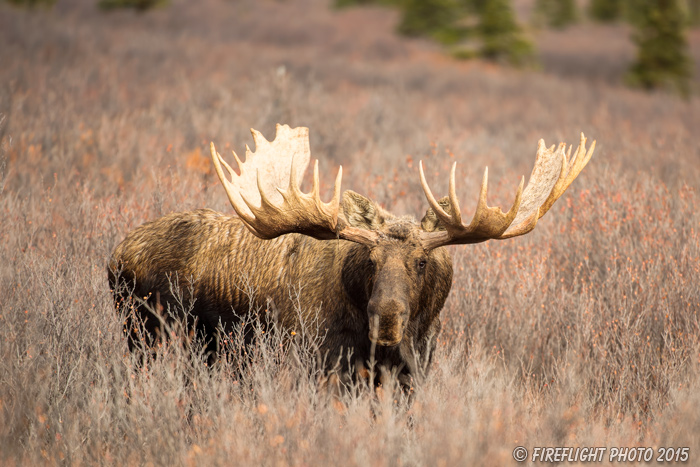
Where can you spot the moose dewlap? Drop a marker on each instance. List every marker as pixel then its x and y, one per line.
pixel 373 280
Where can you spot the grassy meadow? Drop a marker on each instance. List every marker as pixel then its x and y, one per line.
pixel 585 332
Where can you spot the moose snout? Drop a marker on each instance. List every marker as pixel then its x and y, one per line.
pixel 387 322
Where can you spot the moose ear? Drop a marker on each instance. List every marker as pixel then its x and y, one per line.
pixel 430 221
pixel 362 212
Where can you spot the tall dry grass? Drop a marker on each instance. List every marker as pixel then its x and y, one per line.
pixel 583 333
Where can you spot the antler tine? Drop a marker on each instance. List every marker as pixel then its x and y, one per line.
pixel 230 170
pixel 336 187
pixel 550 177
pixel 265 202
pixel 316 188
pixel 513 211
pixel 456 212
pixel 439 212
pixel 228 186
pixel 481 206
pixel 228 167
pixel 293 183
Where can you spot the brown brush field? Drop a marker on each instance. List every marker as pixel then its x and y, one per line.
pixel 585 332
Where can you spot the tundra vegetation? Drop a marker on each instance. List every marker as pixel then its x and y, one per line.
pixel 582 333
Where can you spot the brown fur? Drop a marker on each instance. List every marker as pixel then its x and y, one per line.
pixel 214 259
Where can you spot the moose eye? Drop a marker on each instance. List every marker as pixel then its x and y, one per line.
pixel 370 263
pixel 422 263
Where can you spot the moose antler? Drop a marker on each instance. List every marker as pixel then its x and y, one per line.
pixel 550 177
pixel 284 211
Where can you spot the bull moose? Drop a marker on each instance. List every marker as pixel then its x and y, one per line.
pixel 376 281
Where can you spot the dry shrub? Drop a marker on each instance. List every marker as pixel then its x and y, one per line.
pixel 583 333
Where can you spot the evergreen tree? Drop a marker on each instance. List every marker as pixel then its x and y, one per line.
pixel 433 18
pixel 502 37
pixel 556 13
pixel 662 48
pixel 606 10
pixel 140 5
pixel 473 6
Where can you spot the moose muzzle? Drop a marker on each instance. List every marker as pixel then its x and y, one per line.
pixel 387 321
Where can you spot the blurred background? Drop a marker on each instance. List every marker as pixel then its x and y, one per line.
pixel 80 77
